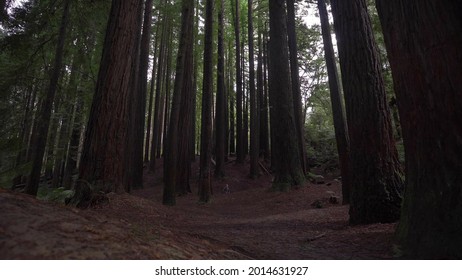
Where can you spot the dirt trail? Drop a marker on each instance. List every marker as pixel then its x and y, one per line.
pixel 248 223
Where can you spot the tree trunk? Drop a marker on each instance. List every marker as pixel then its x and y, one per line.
pixel 104 156
pixel 424 41
pixel 254 120
pixel 240 154
pixel 43 121
pixel 264 127
pixel 340 126
pixel 294 72
pixel 221 103
pixel 205 184
pixel 376 178
pixel 287 165
pixel 187 95
pixel 143 82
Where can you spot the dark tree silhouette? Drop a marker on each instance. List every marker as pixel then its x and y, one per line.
pixel 288 170
pixel 376 178
pixel 424 42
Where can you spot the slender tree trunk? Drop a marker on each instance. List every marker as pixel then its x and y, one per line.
pixel 220 103
pixel 143 81
pixel 158 107
pixel 294 72
pixel 43 121
pixel 376 178
pixel 254 120
pixel 264 131
pixel 71 160
pixel 424 42
pixel 104 157
pixel 240 154
pixel 340 126
pixel 287 165
pixel 205 184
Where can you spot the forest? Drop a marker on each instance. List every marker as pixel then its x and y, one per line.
pixel 230 129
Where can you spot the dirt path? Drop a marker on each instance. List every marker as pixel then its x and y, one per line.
pixel 249 222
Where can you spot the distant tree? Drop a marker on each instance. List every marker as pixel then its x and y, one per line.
pixel 220 102
pixel 341 129
pixel 288 170
pixel 254 110
pixel 104 156
pixel 376 178
pixel 240 153
pixel 424 43
pixel 205 184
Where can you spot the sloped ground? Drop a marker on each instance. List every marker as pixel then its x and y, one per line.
pixel 250 222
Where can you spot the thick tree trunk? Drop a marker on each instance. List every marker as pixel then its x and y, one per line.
pixel 376 178
pixel 173 167
pixel 340 126
pixel 287 165
pixel 43 120
pixel 424 42
pixel 220 103
pixel 294 72
pixel 104 157
pixel 205 184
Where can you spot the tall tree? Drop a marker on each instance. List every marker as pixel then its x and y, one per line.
pixel 376 177
pixel 181 95
pixel 221 102
pixel 43 122
pixel 143 82
pixel 286 161
pixel 205 184
pixel 424 42
pixel 254 115
pixel 340 126
pixel 240 153
pixel 104 156
pixel 294 76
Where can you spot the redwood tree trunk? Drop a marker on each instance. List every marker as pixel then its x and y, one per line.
pixel 173 166
pixel 104 156
pixel 287 165
pixel 220 103
pixel 340 126
pixel 294 72
pixel 254 120
pixel 376 178
pixel 43 121
pixel 424 42
pixel 205 184
pixel 240 153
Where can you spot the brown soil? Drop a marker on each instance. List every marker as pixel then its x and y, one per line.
pixel 250 222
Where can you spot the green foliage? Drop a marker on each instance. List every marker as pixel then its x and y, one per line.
pixel 54 194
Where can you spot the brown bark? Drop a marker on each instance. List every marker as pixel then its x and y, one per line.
pixel 254 120
pixel 286 160
pixel 424 41
pixel 176 157
pixel 205 184
pixel 43 120
pixel 376 178
pixel 104 157
pixel 240 153
pixel 294 72
pixel 220 103
pixel 340 126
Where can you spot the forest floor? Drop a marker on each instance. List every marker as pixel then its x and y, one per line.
pixel 249 222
